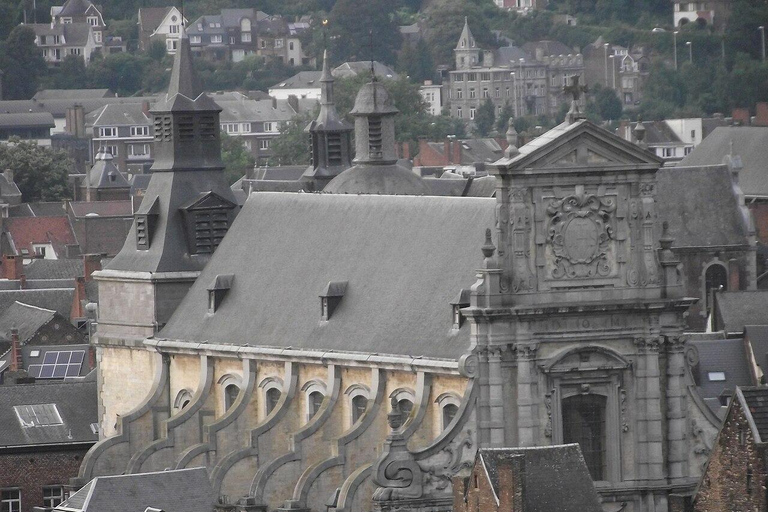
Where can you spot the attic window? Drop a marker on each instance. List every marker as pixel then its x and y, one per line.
pixel 218 290
pixel 145 225
pixel 374 137
pixel 461 301
pixel 330 298
pixel 38 415
pixel 716 376
pixel 207 221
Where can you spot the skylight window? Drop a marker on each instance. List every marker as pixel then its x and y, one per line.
pixel 716 376
pixel 38 415
pixel 58 364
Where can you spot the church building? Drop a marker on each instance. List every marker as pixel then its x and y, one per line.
pixel 351 350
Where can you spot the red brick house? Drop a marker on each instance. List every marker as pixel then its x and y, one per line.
pixel 735 476
pixel 538 479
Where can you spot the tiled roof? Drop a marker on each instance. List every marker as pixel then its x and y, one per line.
pixel 57 299
pixel 124 114
pixel 726 356
pixel 246 110
pixel 40 230
pixel 75 402
pixel 555 477
pixel 738 309
pixel 72 94
pixel 27 120
pixel 178 490
pixel 27 319
pixel 101 208
pixel 756 401
pixel 53 269
pixel 75 34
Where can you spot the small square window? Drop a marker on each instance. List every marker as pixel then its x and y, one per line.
pixel 716 376
pixel 34 353
pixel 53 496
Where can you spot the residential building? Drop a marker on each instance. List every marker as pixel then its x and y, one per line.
pixel 432 94
pixel 529 80
pixel 103 181
pixel 38 237
pixel 707 13
pixel 539 479
pixel 734 477
pixel 521 6
pixel 76 12
pixel 60 40
pixel 45 430
pixel 659 137
pixel 162 24
pixel 124 131
pixel 33 126
pixel 306 84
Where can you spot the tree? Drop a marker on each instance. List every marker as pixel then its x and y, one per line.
pixel 157 50
pixel 23 64
pixel 71 74
pixel 503 118
pixel 415 61
pixel 484 118
pixel 446 20
pixel 237 160
pixel 291 147
pixel 40 172
pixel 121 72
pixel 607 103
pixel 364 30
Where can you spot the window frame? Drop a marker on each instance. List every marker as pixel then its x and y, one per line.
pixel 10 500
pixel 309 388
pixel 354 392
pixel 48 501
pixel 445 400
pixel 268 384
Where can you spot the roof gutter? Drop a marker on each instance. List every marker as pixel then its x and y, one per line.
pixel 392 362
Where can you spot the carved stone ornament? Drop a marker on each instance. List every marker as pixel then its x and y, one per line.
pixel 468 365
pixel 624 422
pixel 548 404
pixel 580 232
pixel 396 473
pixel 457 456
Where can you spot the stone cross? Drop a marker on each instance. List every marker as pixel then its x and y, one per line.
pixel 575 89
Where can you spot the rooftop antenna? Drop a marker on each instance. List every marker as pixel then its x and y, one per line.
pixel 370 47
pixel 182 14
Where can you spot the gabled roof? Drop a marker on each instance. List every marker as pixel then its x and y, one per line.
pixel 151 17
pixel 598 147
pixel 748 142
pixel 548 47
pixel 56 299
pixel 247 110
pixel 738 309
pixel 82 209
pixel 301 80
pixel 72 94
pixel 26 231
pixel 554 477
pixel 178 490
pixel 24 317
pixel 720 355
pixel 717 221
pixel 754 402
pixel 356 68
pixel 399 292
pixel 119 114
pixel 75 34
pixel 76 404
pixel 8 188
pixel 104 174
pixel 75 8
pixel 230 18
pixel 54 269
pixel 27 120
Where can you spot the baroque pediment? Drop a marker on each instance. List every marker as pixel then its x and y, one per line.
pixel 580 145
pixel 209 201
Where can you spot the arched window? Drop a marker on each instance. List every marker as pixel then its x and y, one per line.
pixel 231 391
pixel 272 397
pixel 715 279
pixel 584 423
pixel 448 406
pixel 183 399
pixel 359 405
pixel 406 406
pixel 449 412
pixel 245 25
pixel 315 400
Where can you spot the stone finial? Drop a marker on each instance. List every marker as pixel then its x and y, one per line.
pixel 639 132
pixel 395 416
pixel 512 140
pixel 666 239
pixel 488 249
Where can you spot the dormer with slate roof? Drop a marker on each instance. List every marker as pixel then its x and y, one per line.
pixel 467 53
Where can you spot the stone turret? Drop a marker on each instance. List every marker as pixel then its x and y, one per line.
pixel 466 52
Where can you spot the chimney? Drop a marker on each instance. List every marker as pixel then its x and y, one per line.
pixel 447 151
pixel 539 53
pixel 293 101
pixel 17 362
pixel 761 114
pixel 8 173
pixel 274 103
pixel 740 116
pixel 91 263
pixel 1 84
pixel 79 298
pixel 406 152
pixel 733 275
pixel 23 282
pixel 13 267
pixel 456 152
pixel 145 109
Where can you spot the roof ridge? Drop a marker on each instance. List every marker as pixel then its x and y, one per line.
pixel 32 306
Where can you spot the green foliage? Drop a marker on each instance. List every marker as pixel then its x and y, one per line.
pixel 71 74
pixel 156 51
pixel 127 29
pixel 121 72
pixel 607 103
pixel 445 20
pixel 292 146
pixel 502 120
pixel 237 160
pixel 22 63
pixel 39 172
pixel 354 24
pixel 484 118
pixel 415 61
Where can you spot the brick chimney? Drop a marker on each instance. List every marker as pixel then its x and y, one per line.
pixel 79 299
pixel 145 109
pixel 8 173
pixel 13 267
pixel 740 116
pixel 761 114
pixel 91 263
pixel 447 151
pixel 456 158
pixel 733 275
pixel 17 362
pixel 293 101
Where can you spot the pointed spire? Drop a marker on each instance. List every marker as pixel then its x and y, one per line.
pixel 184 79
pixel 466 40
pixel 326 82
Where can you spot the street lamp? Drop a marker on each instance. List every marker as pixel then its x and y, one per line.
pixel 514 93
pixel 690 51
pixel 762 39
pixel 613 65
pixel 674 44
pixel 605 47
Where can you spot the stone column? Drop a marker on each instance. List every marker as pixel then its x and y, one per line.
pixel 649 415
pixel 677 413
pixel 495 398
pixel 527 396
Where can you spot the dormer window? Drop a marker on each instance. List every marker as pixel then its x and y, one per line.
pixel 330 298
pixel 461 301
pixel 218 290
pixel 145 225
pixel 207 221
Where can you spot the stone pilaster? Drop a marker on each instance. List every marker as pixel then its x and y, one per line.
pixel 677 413
pixel 495 398
pixel 527 396
pixel 650 437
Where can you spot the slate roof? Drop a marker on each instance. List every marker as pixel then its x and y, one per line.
pixel 717 221
pixel 301 80
pixel 280 172
pixel 355 68
pixel 399 292
pixel 57 299
pixel 756 401
pixel 8 189
pixel 555 477
pixel 75 34
pixel 73 94
pixel 75 401
pixel 27 120
pixel 720 355
pixel 178 490
pixel 247 110
pixel 53 269
pixel 757 336
pixel 122 114
pixel 47 209
pixel 27 319
pixel 74 8
pixel 104 174
pixel 102 208
pixel 549 47
pixel 231 17
pixel 26 231
pixel 749 142
pixel 151 17
pixel 738 309
pixel 509 54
